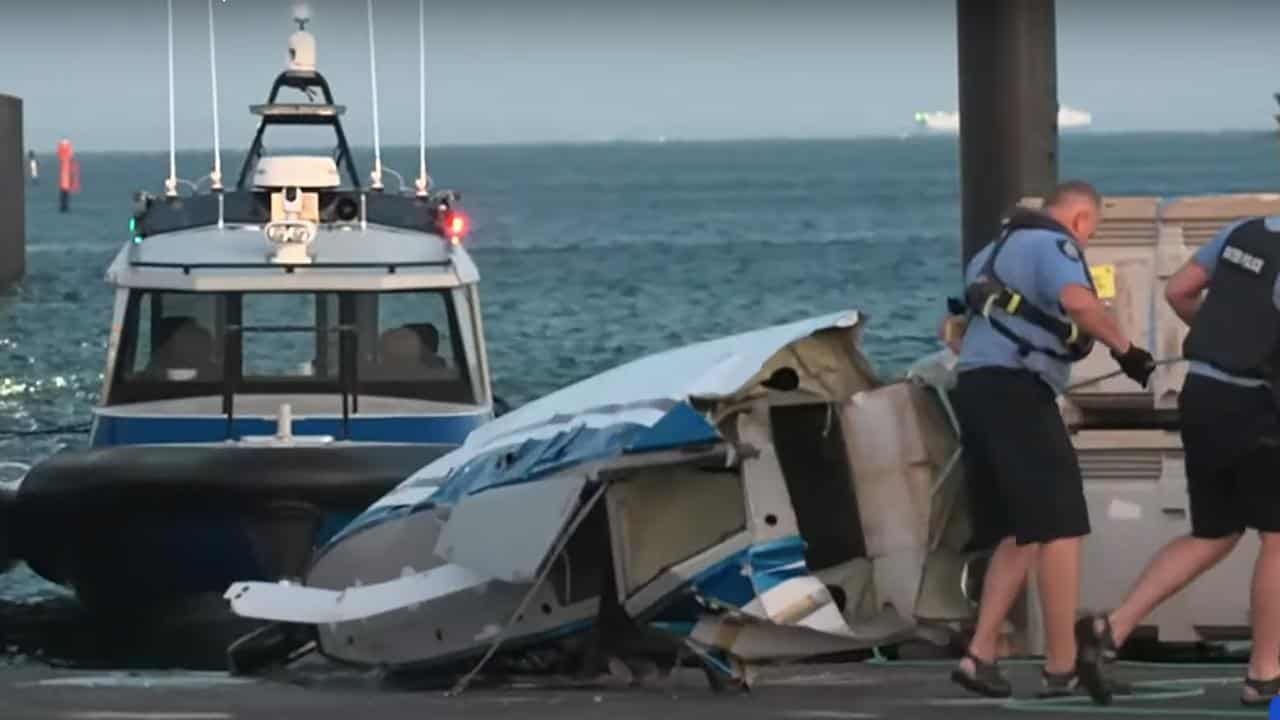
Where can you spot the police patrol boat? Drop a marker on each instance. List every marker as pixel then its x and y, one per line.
pixel 281 354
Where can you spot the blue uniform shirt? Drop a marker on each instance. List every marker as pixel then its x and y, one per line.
pixel 1207 258
pixel 1038 264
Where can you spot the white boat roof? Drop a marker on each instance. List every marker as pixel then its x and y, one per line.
pixel 345 257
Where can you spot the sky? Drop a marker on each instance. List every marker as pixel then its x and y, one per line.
pixel 528 71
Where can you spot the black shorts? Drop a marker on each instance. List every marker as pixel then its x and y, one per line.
pixel 1020 467
pixel 1231 440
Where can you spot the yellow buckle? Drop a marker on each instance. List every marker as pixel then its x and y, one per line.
pixel 1014 301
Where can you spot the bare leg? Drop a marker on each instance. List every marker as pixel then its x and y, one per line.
pixel 1264 663
pixel 1173 568
pixel 1000 587
pixel 1058 578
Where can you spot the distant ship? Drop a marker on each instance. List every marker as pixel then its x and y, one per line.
pixel 949 122
pixel 1277 97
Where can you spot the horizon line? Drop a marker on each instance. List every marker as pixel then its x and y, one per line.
pixel 914 134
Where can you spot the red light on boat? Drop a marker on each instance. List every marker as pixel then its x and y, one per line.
pixel 454 225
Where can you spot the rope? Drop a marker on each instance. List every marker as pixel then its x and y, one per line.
pixel 216 175
pixel 171 184
pixel 1116 373
pixel 422 181
pixel 375 177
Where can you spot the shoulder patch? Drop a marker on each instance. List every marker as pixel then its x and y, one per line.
pixel 1068 248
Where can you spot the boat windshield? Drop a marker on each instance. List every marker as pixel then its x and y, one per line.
pixel 396 344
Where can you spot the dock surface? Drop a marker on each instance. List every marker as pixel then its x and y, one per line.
pixel 807 692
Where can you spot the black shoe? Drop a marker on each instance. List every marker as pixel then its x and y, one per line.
pixel 1102 641
pixel 1093 649
pixel 1258 693
pixel 986 678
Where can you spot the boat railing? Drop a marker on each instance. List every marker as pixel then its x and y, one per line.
pixel 391 267
pixel 158 215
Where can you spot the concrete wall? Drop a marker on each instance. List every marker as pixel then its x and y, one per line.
pixel 13 241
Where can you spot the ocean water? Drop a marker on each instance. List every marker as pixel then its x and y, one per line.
pixel 597 254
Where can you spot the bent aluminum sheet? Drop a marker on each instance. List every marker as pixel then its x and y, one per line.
pixel 507 533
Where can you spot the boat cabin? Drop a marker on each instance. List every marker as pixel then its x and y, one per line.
pixel 296 287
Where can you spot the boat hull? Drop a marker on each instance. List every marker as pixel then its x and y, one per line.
pixel 140 528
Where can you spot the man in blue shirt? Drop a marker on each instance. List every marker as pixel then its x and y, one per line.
pixel 1033 311
pixel 1231 442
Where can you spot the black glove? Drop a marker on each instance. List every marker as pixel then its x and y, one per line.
pixel 1136 363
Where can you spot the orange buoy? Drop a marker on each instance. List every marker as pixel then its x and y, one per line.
pixel 68 174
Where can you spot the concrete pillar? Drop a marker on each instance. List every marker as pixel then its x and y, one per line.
pixel 1008 109
pixel 13 241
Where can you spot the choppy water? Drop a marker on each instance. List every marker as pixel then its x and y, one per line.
pixel 593 255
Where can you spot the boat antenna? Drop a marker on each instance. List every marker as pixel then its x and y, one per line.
pixel 424 181
pixel 171 184
pixel 375 177
pixel 215 177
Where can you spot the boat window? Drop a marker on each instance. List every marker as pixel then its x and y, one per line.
pixel 289 335
pixel 415 338
pixel 174 339
pixel 417 350
pixel 405 344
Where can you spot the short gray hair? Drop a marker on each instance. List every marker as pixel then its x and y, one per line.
pixel 1073 189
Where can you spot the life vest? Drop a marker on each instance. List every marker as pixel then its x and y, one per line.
pixel 1237 328
pixel 988 293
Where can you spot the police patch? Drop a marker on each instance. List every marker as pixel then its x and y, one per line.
pixel 1068 248
pixel 1249 262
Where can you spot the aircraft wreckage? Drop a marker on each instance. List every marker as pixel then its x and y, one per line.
pixel 754 498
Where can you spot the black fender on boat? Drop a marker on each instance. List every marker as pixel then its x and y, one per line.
pixel 215 476
pixel 66 515
pixel 8 490
pixel 7 560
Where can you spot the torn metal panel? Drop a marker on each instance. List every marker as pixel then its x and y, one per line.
pixel 664 516
pixel 768 500
pixel 674 580
pixel 480 531
pixel 898 448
